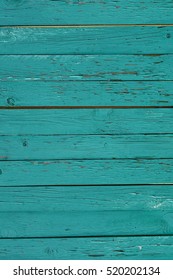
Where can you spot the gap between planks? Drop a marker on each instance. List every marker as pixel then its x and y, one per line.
pixel 81 107
pixel 86 236
pixel 85 25
pixel 91 185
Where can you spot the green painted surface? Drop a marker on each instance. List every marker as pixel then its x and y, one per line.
pixel 86 183
pixel 47 12
pixel 85 223
pixel 24 92
pixel 67 211
pixel 90 198
pixel 53 68
pixel 31 147
pixel 93 248
pixel 86 121
pixel 81 172
pixel 46 68
pixel 87 40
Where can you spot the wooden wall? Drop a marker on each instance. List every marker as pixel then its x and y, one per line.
pixel 86 129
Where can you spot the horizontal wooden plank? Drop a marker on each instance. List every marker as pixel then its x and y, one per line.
pixel 86 172
pixel 84 93
pixel 86 121
pixel 86 147
pixel 52 68
pixel 87 198
pixel 112 248
pixel 84 223
pixel 83 40
pixel 85 12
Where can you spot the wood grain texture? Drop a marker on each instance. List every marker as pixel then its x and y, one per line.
pixel 112 248
pixel 32 224
pixel 83 40
pixel 86 147
pixel 87 198
pixel 86 121
pixel 53 68
pixel 86 172
pixel 84 93
pixel 84 12
pixel 46 68
pixel 86 183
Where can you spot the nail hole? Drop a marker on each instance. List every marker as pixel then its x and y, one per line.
pixel 25 143
pixel 168 35
pixel 11 101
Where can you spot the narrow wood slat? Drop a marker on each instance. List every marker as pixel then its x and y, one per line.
pixel 84 93
pixel 53 68
pixel 86 121
pixel 85 12
pixel 83 40
pixel 86 147
pixel 86 172
pixel 85 211
pixel 85 223
pixel 87 198
pixel 113 248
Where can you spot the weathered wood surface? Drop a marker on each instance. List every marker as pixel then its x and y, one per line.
pixel 84 93
pixel 87 198
pixel 46 12
pixel 31 147
pixel 86 121
pixel 86 172
pixel 32 224
pixel 86 183
pixel 52 68
pixel 87 40
pixel 106 248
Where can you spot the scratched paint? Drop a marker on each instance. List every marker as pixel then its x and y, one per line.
pixel 96 182
pixel 21 92
pixel 86 40
pixel 85 12
pixel 52 68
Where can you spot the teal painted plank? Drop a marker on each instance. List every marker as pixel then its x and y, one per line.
pixel 85 147
pixel 83 40
pixel 86 121
pixel 52 68
pixel 72 223
pixel 85 12
pixel 87 198
pixel 112 248
pixel 86 172
pixel 84 93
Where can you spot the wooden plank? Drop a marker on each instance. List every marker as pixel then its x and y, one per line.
pixel 112 248
pixel 83 93
pixel 87 40
pixel 86 147
pixel 87 198
pixel 86 172
pixel 86 121
pixel 85 12
pixel 31 224
pixel 52 68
